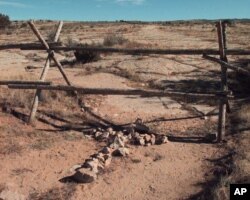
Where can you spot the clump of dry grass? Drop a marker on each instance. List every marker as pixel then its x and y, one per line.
pixel 10 98
pixel 155 156
pixel 16 98
pixel 158 157
pixel 7 130
pixel 51 35
pixel 134 45
pixel 11 148
pixel 70 42
pixel 114 39
pixel 42 144
pixel 52 96
pixel 35 57
pixel 136 160
pixel 242 116
pixel 56 100
pixel 65 192
pixel 19 171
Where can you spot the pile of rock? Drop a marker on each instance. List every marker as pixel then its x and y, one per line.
pixel 121 138
pixel 117 145
pixel 89 170
pixel 148 139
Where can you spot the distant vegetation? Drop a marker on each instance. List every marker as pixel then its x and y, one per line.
pixel 113 39
pixel 4 21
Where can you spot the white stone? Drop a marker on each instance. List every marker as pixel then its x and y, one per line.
pixel 98 134
pixel 117 143
pixel 164 139
pixel 152 139
pixel 147 138
pixel 74 168
pixel 110 130
pixel 141 141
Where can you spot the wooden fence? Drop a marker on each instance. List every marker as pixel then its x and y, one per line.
pixel 224 95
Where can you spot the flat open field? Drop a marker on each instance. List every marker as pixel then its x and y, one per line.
pixel 34 158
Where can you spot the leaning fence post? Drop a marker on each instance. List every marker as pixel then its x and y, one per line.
pixel 43 76
pixel 224 87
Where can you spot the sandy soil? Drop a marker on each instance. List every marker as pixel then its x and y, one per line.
pixel 34 158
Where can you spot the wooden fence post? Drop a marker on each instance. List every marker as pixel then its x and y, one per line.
pixel 224 87
pixel 43 76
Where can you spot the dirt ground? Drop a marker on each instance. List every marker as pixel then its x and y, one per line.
pixel 35 157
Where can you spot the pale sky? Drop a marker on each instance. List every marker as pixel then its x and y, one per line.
pixel 145 10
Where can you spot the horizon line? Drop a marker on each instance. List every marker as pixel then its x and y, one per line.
pixel 136 20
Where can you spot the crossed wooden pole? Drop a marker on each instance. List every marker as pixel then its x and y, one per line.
pixel 51 56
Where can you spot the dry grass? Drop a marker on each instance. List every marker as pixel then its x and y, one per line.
pixel 114 39
pixel 20 171
pixel 16 98
pixel 11 148
pixel 42 144
pixel 136 160
pixel 244 113
pixel 71 136
pixel 51 34
pixel 34 57
pixel 59 96
pixel 154 155
pixel 12 99
pixel 158 157
pixel 234 167
pixel 65 192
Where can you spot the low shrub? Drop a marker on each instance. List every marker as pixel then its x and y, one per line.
pixel 4 21
pixel 85 56
pixel 112 40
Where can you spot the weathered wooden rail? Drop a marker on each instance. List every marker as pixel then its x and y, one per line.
pixel 224 95
pixel 24 82
pixel 227 65
pixel 30 46
pixel 56 46
pixel 109 91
